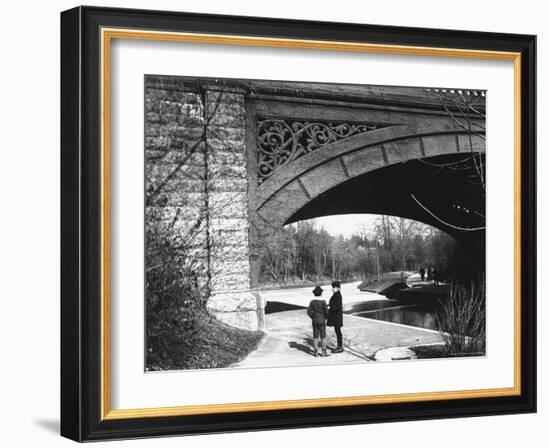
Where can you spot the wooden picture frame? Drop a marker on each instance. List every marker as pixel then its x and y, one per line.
pixel 86 36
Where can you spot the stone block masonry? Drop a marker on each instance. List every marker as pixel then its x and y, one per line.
pixel 196 179
pixel 175 169
pixel 231 299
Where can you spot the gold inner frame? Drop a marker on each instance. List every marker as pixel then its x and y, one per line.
pixel 107 35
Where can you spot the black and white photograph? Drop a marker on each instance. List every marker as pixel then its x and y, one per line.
pixel 275 224
pixel 302 224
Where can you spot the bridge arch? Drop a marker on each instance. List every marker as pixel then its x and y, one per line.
pixel 237 159
pixel 280 197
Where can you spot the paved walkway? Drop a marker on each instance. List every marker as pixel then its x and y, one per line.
pixel 288 340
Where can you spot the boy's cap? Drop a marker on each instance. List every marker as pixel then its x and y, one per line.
pixel 336 284
pixel 317 291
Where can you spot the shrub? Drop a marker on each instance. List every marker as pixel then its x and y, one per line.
pixel 461 318
pixel 180 333
pixel 175 302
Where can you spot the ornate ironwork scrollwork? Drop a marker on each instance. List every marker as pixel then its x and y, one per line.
pixel 281 141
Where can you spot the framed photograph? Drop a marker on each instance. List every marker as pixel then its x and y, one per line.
pixel 276 224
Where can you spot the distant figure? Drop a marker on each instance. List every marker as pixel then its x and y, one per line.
pixel 422 273
pixel 318 312
pixel 335 315
pixel 435 276
pixel 430 274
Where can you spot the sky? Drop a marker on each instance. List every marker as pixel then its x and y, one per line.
pixel 345 225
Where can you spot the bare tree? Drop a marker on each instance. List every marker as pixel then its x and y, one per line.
pixel 404 229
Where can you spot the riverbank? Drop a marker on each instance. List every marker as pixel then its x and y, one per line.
pixel 440 351
pixel 302 296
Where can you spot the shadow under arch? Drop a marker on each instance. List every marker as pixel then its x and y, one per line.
pixel 440 191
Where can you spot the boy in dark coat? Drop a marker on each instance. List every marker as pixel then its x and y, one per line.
pixel 318 313
pixel 335 315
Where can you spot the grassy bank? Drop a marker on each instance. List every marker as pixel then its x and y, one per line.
pixel 211 345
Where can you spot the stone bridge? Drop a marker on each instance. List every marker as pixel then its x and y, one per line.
pixel 244 158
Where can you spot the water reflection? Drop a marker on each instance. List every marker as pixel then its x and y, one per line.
pixel 415 315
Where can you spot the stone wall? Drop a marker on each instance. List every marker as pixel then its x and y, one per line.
pixel 196 164
pixel 175 166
